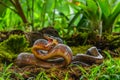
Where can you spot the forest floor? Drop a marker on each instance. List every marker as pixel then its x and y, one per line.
pixel 71 72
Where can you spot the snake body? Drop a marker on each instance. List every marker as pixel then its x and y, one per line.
pixel 59 50
pixel 56 55
pixel 92 56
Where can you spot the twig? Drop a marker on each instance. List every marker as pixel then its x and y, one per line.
pixel 1 2
pixel 54 14
pixel 18 7
pixel 32 14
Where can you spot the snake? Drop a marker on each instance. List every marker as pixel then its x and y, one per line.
pixel 51 52
pixel 47 53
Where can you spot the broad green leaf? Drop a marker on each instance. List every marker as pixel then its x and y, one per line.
pixel 112 17
pixel 49 5
pixel 105 7
pixel 92 6
pixel 90 10
pixel 2 7
pixel 74 18
pixel 85 9
pixel 63 6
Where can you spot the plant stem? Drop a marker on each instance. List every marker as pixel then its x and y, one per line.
pixel 32 15
pixel 54 14
pixel 1 2
pixel 18 7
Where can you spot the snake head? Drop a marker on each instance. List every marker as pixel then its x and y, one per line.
pixel 52 41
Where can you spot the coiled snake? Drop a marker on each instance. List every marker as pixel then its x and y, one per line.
pixel 52 53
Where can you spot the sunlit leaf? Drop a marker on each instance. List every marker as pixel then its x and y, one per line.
pixel 92 6
pixel 105 6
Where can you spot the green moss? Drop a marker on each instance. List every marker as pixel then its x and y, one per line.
pixel 11 47
pixel 80 49
pixel 113 40
pixel 4 55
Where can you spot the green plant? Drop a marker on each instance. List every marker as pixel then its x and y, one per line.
pixel 5 55
pixel 18 76
pixel 32 15
pixel 68 19
pixel 109 14
pixel 116 28
pixel 109 70
pixel 15 44
pixel 11 47
pixel 96 15
pixel 42 76
pixel 91 74
pixel 66 76
pixel 89 13
pixel 5 73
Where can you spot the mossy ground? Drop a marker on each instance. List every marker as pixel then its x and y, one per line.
pixel 108 70
pixel 11 47
pixel 80 49
pixel 71 72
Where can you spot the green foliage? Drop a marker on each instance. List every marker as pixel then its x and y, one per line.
pixel 5 73
pixel 97 15
pixel 38 13
pixel 109 70
pixel 15 43
pixel 42 76
pixel 113 40
pixel 90 16
pixel 11 47
pixel 10 20
pixel 117 25
pixel 110 14
pixel 66 76
pixel 87 15
pixel 5 55
pixel 19 76
pixel 2 7
pixel 80 49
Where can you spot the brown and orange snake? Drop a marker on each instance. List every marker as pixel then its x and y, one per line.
pixel 52 53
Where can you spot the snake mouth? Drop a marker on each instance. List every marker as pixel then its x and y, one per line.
pixel 51 40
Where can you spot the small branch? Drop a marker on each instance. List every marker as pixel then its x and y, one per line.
pixel 32 14
pixel 18 7
pixel 12 2
pixel 28 8
pixel 1 2
pixel 54 14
